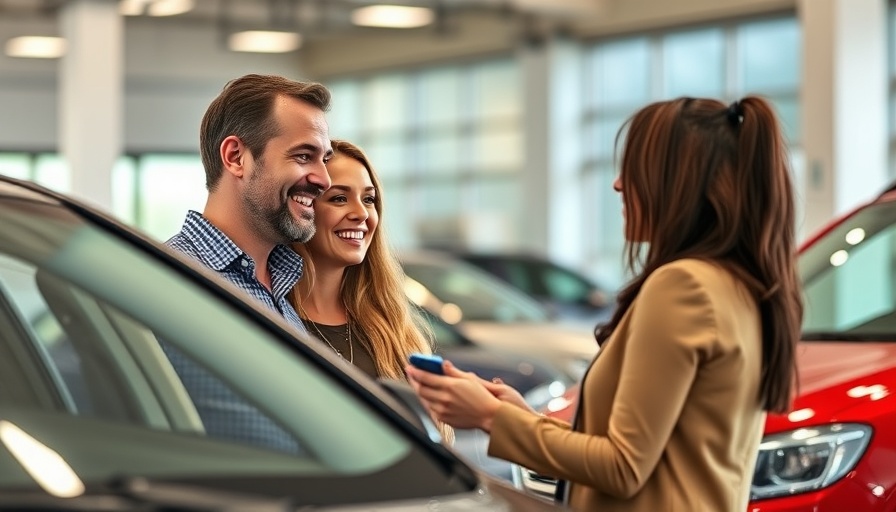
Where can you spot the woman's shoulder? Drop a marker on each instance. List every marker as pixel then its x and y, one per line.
pixel 706 275
pixel 691 268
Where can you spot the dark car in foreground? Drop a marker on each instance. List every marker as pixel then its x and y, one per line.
pixel 94 415
pixel 834 451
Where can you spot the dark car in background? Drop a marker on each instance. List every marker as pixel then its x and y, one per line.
pixel 494 314
pixel 567 292
pixel 95 416
pixel 521 371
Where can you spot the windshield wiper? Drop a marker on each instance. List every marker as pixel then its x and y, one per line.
pixel 137 494
pixel 189 498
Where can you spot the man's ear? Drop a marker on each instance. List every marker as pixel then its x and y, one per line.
pixel 233 152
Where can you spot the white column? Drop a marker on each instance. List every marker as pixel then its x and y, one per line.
pixel 844 105
pixel 552 128
pixel 91 96
pixel 535 83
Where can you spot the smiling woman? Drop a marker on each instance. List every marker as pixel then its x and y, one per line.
pixel 352 295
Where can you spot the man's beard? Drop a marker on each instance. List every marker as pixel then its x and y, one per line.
pixel 276 221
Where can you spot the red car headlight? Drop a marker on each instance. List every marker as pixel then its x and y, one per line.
pixel 807 459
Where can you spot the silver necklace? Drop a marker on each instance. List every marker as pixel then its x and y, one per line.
pixel 348 336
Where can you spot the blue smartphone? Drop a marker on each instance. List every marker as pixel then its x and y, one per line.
pixel 428 362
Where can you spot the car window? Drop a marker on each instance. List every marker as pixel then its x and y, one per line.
pixel 121 365
pixel 478 295
pixel 563 285
pixel 518 275
pixel 849 275
pixel 540 279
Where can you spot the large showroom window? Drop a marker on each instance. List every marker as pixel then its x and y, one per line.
pixel 447 142
pixel 151 191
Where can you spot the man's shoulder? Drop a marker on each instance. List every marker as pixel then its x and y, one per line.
pixel 181 243
pixel 188 240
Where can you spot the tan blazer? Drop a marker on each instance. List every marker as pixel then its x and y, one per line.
pixel 670 418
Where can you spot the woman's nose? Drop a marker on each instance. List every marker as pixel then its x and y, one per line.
pixel 617 184
pixel 358 212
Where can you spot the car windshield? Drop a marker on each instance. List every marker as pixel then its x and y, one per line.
pixel 94 335
pixel 464 292
pixel 848 277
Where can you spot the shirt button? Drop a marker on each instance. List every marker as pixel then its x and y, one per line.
pixel 244 263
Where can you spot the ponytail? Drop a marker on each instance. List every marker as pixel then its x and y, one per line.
pixel 764 177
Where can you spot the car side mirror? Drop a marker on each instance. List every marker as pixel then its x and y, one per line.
pixel 404 393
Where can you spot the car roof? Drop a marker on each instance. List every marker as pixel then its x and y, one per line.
pixel 12 187
pixel 890 188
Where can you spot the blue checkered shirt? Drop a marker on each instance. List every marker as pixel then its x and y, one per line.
pixel 224 412
pixel 204 242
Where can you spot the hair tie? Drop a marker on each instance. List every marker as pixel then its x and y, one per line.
pixel 735 114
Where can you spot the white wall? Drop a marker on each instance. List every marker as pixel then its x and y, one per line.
pixel 172 71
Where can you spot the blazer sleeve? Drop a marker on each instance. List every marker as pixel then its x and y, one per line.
pixel 671 329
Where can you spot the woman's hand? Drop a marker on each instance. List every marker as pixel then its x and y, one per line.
pixel 460 399
pixel 505 393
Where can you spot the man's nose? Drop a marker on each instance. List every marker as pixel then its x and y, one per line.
pixel 319 176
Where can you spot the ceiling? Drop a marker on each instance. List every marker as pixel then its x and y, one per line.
pixel 329 18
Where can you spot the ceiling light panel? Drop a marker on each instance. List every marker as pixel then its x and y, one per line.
pixel 392 16
pixel 264 41
pixel 36 47
pixel 155 7
pixel 169 7
pixel 132 7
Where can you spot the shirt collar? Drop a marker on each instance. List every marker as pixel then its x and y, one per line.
pixel 286 269
pixel 217 251
pixel 213 248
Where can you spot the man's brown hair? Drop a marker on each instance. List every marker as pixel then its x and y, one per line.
pixel 244 109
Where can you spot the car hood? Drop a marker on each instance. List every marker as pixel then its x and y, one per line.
pixel 837 377
pixel 533 338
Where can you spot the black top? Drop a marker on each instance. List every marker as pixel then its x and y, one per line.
pixel 336 337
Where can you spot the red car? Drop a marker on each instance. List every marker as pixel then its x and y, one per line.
pixel 836 450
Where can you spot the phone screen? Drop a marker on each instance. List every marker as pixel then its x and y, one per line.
pixel 431 363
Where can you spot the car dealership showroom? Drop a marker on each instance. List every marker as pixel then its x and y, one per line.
pixel 137 373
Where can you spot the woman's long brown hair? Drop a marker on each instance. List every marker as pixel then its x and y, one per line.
pixel 704 180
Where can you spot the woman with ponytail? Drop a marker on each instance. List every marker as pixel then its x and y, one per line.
pixel 703 341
